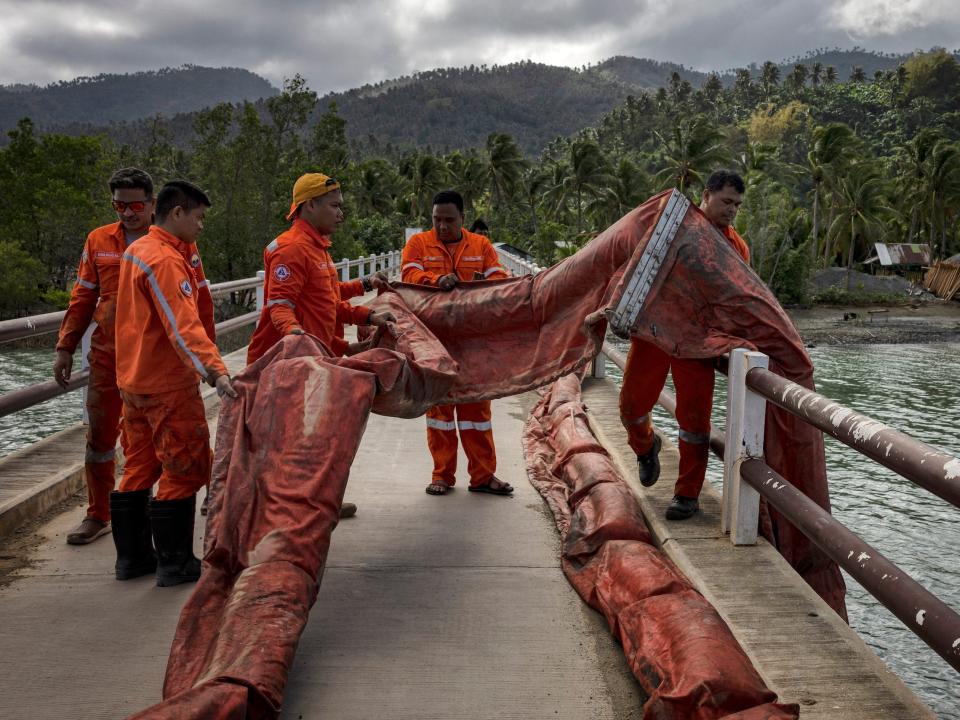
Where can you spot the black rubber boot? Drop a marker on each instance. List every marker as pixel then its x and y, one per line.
pixel 172 522
pixel 681 508
pixel 131 534
pixel 648 464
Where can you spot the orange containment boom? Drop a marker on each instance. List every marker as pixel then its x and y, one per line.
pixel 284 448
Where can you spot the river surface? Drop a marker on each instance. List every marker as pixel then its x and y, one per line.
pixel 912 387
pixel 915 389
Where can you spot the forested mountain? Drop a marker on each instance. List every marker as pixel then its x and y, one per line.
pixel 442 109
pixel 106 99
pixel 460 107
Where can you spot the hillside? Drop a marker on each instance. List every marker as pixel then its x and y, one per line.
pixel 645 73
pixel 459 107
pixel 443 109
pixel 106 99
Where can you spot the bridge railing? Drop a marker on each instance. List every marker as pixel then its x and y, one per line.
pixel 747 478
pixel 18 328
pixel 517 265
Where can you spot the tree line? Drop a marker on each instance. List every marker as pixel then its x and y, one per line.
pixel 832 165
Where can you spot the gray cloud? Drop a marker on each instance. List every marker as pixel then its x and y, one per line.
pixel 339 45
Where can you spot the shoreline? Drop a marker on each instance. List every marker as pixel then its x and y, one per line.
pixel 880 324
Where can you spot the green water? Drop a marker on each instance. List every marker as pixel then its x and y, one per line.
pixel 911 387
pixel 915 389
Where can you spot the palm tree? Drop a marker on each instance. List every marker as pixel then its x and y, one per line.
pixel 944 188
pixel 589 174
pixel 554 197
pixel 505 166
pixel 629 187
pixel 816 71
pixel 857 75
pixel 769 77
pixel 468 175
pixel 832 146
pixel 427 175
pixel 693 149
pixel 861 208
pixel 830 75
pixel 375 185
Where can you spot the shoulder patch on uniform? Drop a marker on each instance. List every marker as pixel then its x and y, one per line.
pixel 85 256
pixel 195 260
pixel 186 288
pixel 281 272
pixel 274 244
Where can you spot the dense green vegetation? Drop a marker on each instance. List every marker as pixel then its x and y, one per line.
pixel 832 165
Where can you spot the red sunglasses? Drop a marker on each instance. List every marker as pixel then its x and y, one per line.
pixel 137 205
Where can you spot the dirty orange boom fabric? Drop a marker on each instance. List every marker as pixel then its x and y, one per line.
pixel 165 344
pixel 302 290
pixel 281 468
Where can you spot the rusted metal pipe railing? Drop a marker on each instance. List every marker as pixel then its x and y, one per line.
pixel 31 395
pixel 927 616
pixel 923 464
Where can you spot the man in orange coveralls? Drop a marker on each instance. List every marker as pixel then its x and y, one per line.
pixel 94 298
pixel 302 292
pixel 442 257
pixel 164 351
pixel 646 372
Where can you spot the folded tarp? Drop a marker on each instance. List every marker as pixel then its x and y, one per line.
pixel 678 647
pixel 284 448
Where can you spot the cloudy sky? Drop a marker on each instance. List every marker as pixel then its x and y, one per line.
pixel 345 44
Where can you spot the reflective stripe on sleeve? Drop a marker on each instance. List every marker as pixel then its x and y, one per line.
pixel 490 271
pixel 271 303
pixel 94 457
pixel 470 425
pixel 155 286
pixel 694 438
pixel 86 284
pixel 434 424
pixel 418 266
pixel 272 246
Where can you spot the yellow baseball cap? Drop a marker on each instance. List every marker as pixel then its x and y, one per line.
pixel 310 186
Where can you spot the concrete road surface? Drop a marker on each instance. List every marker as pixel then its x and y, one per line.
pixel 431 607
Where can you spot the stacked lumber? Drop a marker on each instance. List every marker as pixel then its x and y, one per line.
pixel 943 280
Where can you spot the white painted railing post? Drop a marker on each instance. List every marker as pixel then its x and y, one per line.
pixel 84 365
pixel 344 270
pixel 261 274
pixel 746 412
pixel 599 366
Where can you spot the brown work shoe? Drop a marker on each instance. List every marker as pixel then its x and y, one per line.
pixel 348 510
pixel 88 531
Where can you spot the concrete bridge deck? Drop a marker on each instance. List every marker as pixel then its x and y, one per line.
pixel 449 607
pixel 430 607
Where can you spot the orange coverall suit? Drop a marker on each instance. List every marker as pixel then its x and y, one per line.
pixel 302 290
pixel 166 350
pixel 643 379
pixel 94 299
pixel 425 261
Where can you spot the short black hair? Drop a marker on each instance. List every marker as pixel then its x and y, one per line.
pixel 449 196
pixel 479 226
pixel 182 193
pixel 721 178
pixel 131 178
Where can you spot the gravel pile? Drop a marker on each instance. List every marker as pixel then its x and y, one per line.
pixel 860 283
